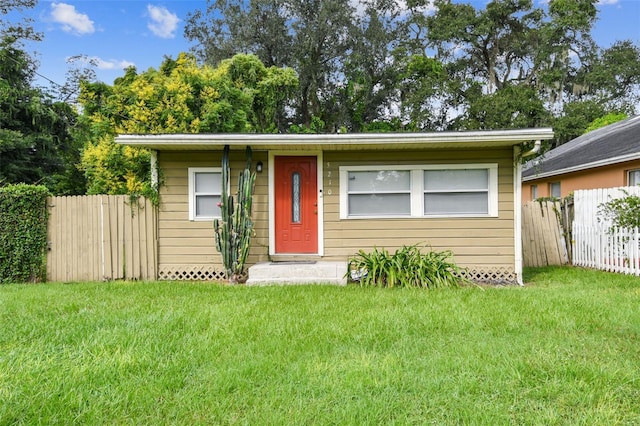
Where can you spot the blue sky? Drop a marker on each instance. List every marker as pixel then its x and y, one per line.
pixel 117 33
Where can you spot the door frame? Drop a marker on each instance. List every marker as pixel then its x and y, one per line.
pixel 272 208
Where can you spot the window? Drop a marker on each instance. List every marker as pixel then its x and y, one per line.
pixel 296 216
pixel 554 189
pixel 634 178
pixel 456 191
pixel 534 192
pixel 379 193
pixel 205 188
pixel 419 191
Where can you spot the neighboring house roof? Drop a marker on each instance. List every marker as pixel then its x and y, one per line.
pixel 341 141
pixel 615 143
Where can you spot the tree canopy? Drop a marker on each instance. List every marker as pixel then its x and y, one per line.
pixel 429 65
pixel 36 136
pixel 317 66
pixel 241 94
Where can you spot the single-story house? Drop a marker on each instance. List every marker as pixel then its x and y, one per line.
pixel 320 198
pixel 608 157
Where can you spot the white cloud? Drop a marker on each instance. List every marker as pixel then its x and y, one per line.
pixel 72 21
pixel 105 64
pixel 113 64
pixel 163 23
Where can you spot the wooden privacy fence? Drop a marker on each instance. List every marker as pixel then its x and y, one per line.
pixel 543 238
pixel 101 237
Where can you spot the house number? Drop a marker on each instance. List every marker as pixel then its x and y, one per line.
pixel 329 191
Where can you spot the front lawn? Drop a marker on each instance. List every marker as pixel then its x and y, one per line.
pixel 565 349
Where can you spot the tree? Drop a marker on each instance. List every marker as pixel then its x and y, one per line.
pixel 512 64
pixel 310 37
pixel 428 65
pixel 612 117
pixel 511 56
pixel 18 31
pixel 36 143
pixel 514 106
pixel 240 95
pixel 36 133
pixel 230 27
pixel 613 78
pixel 575 118
pixel 369 91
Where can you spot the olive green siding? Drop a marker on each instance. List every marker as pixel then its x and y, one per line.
pixel 475 241
pixel 484 243
pixel 185 244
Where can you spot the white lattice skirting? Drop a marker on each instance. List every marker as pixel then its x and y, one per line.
pixel 191 273
pixel 491 275
pixel 482 275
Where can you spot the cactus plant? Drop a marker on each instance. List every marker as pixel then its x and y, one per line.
pixel 234 229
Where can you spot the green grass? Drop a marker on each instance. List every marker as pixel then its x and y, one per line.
pixel 565 349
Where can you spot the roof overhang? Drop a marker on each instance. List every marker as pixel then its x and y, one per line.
pixel 583 167
pixel 337 141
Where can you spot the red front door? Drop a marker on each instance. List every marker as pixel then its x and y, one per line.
pixel 296 204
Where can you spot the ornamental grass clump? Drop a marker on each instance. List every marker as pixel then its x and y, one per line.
pixel 407 267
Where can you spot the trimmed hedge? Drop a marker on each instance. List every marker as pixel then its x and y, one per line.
pixel 23 233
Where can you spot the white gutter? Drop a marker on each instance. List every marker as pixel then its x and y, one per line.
pixel 534 150
pixel 517 205
pixel 258 139
pixel 154 169
pixel 517 210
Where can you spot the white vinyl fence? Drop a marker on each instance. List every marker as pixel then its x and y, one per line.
pixel 587 202
pixel 599 247
pixel 595 243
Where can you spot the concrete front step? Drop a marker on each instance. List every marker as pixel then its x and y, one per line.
pixel 307 272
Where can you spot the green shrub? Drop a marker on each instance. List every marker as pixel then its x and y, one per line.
pixel 407 267
pixel 23 232
pixel 622 212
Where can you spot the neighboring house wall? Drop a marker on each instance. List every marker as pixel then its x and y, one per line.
pixel 484 244
pixel 600 177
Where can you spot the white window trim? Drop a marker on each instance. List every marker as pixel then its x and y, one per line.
pixel 192 191
pixel 629 174
pixel 417 190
